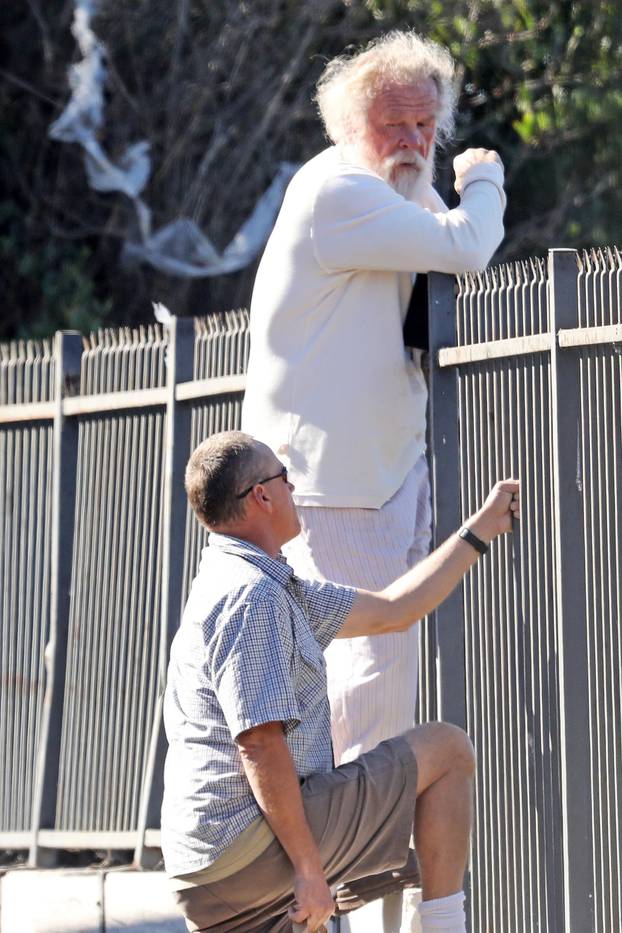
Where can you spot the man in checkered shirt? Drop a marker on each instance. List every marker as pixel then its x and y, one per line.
pixel 257 824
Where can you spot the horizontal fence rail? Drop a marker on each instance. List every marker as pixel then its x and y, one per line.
pixel 98 550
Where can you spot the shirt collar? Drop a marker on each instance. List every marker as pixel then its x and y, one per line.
pixel 275 567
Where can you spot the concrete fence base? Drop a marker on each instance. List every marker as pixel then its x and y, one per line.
pixel 87 901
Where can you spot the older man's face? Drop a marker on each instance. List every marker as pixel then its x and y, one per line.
pixel 401 126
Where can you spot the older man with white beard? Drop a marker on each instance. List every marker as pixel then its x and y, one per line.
pixel 331 386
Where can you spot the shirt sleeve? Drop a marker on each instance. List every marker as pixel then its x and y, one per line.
pixel 250 657
pixel 359 222
pixel 432 201
pixel 328 606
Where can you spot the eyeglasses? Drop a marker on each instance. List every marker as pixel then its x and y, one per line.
pixel 260 482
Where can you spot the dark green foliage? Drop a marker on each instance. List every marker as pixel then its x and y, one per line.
pixel 223 92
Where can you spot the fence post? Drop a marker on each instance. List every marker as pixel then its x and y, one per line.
pixel 445 477
pixel 177 440
pixel 68 356
pixel 570 598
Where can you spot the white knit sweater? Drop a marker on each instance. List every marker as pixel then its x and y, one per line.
pixel 330 387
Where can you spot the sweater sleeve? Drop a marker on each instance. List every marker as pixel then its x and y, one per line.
pixel 359 222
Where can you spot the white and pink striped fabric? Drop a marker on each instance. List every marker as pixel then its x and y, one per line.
pixel 372 682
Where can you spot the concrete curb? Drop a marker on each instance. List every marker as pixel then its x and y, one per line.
pixel 87 901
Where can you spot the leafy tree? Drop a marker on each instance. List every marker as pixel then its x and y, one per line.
pixel 223 93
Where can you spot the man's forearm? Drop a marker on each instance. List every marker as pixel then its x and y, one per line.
pixel 413 595
pixel 423 588
pixel 428 584
pixel 271 774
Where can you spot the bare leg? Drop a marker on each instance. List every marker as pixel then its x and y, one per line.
pixel 443 813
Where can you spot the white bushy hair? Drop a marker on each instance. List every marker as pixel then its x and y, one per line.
pixel 349 83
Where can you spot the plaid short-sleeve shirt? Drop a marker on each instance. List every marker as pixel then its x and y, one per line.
pixel 248 651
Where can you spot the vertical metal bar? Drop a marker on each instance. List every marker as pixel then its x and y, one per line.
pixel 570 597
pixel 180 364
pixel 445 461
pixel 468 423
pixel 65 443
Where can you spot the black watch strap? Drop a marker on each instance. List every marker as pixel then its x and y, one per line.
pixel 472 539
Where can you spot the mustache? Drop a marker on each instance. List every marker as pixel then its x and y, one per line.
pixel 404 158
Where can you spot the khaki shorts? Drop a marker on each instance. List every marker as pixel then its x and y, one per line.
pixel 361 816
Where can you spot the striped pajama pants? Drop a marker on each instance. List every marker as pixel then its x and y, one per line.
pixel 372 682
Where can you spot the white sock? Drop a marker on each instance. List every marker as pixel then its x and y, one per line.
pixel 443 913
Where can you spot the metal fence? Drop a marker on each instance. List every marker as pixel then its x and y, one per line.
pixel 26 375
pixel 527 381
pixel 98 549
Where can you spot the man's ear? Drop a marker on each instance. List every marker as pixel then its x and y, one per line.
pixel 261 498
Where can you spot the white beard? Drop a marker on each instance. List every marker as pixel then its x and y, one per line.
pixel 408 173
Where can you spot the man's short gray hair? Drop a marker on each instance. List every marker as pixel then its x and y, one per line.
pixel 349 84
pixel 217 471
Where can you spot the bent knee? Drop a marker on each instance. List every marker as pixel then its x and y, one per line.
pixel 460 750
pixel 439 748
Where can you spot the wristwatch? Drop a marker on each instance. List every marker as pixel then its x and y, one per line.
pixel 473 540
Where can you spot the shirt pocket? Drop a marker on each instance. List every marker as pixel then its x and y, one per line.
pixel 309 666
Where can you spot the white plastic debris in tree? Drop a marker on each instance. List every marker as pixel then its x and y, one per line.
pixel 130 175
pixel 179 248
pixel 182 249
pixel 84 112
pixel 84 115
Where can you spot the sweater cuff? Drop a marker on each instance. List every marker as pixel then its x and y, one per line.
pixel 483 171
